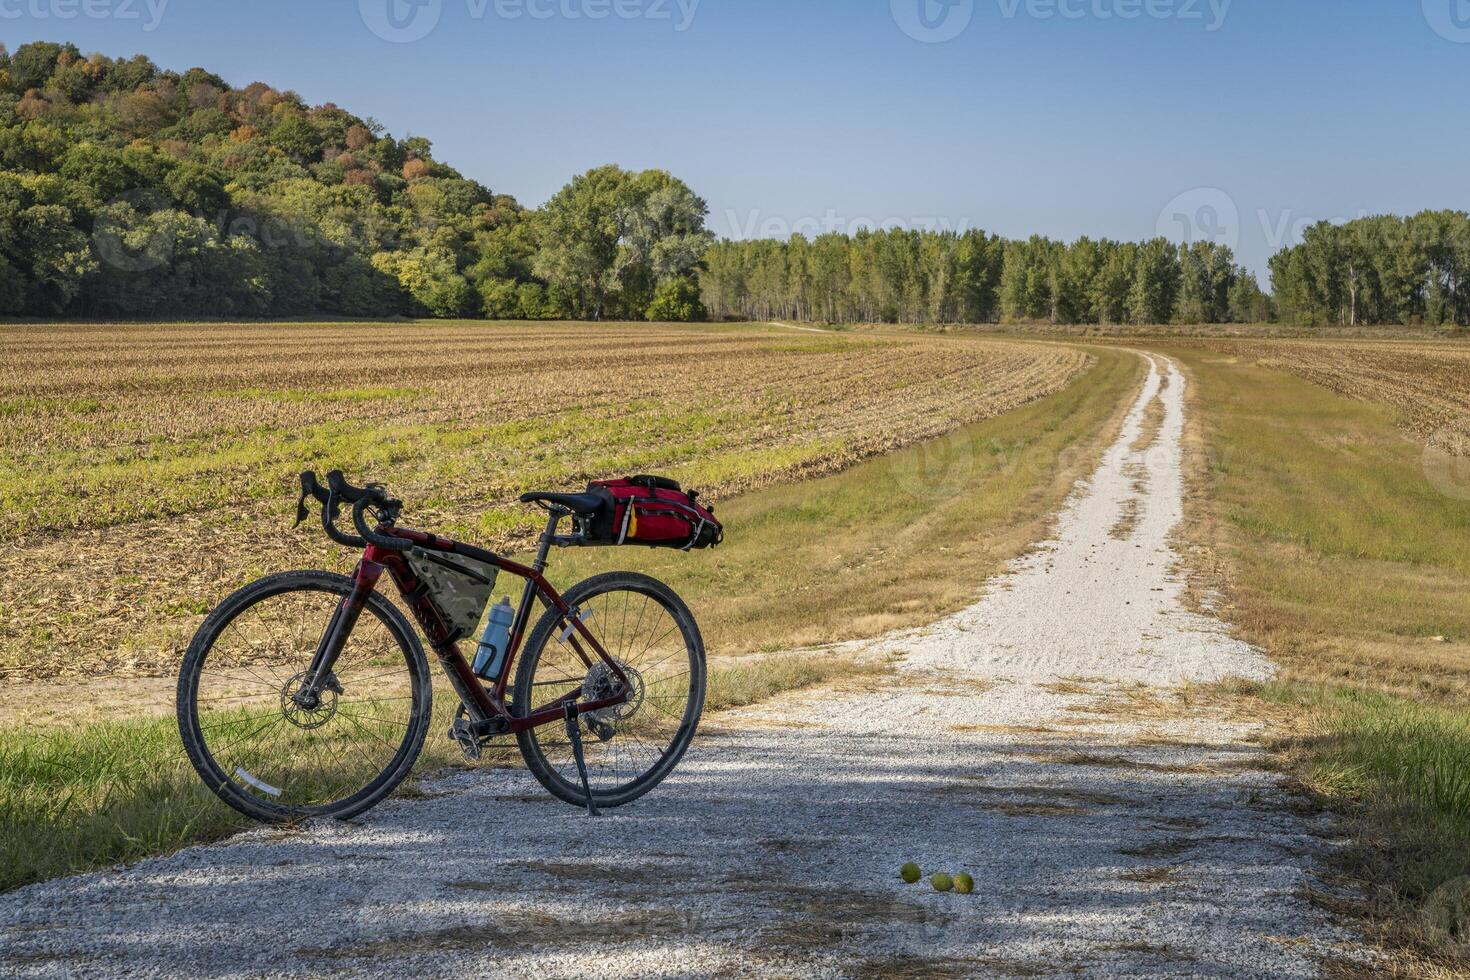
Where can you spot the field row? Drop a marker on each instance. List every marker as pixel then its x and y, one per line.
pixel 1426 383
pixel 149 469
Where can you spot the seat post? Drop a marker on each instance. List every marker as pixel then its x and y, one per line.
pixel 547 538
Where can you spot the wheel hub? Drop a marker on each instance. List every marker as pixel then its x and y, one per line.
pixel 309 709
pixel 602 683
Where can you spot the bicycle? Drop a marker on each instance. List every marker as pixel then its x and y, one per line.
pixel 307 693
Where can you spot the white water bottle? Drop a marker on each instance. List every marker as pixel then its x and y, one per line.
pixel 490 658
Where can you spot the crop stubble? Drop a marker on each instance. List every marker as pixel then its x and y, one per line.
pixel 1427 383
pixel 149 469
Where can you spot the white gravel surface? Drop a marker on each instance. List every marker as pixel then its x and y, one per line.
pixel 1018 741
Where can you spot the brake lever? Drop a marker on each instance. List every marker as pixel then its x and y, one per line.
pixel 303 514
pixel 308 489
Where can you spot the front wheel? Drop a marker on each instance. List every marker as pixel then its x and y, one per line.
pixel 267 754
pixel 629 748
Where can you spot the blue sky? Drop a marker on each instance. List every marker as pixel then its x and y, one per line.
pixel 1231 119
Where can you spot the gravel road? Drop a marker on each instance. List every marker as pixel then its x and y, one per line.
pixel 1030 740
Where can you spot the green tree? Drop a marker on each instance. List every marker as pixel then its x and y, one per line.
pixel 677 300
pixel 1155 286
pixel 611 236
pixel 1247 303
pixel 431 278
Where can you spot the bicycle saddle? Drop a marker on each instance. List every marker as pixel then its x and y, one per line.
pixel 581 504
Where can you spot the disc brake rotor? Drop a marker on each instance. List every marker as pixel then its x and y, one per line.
pixel 602 683
pixel 301 716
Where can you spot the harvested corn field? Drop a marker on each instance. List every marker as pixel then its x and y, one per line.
pixel 149 469
pixel 1426 383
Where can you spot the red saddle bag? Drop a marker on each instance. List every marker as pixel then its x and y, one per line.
pixel 653 511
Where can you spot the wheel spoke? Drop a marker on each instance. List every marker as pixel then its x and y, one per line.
pixel 292 754
pixel 629 623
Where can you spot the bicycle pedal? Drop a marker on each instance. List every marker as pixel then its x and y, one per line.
pixel 463 733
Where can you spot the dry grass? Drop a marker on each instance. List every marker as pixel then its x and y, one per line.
pixel 1313 516
pixel 1005 729
pixel 146 470
pixel 1338 549
pixel 1426 383
pixel 1163 875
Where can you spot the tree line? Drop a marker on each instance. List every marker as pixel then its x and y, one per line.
pixel 133 192
pixel 1378 270
pixel 129 191
pixel 902 276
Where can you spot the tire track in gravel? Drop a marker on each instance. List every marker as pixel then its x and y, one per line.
pixel 1028 740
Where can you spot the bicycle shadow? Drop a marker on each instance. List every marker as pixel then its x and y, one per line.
pixel 752 856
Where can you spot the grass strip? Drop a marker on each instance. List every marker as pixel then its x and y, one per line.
pixel 1340 557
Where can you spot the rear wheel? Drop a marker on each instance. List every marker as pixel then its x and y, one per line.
pixel 265 753
pixel 629 748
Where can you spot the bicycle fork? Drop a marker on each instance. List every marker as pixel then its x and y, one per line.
pixel 319 676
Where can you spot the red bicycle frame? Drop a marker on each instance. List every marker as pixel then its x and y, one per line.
pixel 486 706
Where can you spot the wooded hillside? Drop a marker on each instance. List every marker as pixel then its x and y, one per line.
pixel 130 191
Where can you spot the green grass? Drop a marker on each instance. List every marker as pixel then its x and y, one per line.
pixel 94 795
pixel 854 554
pixel 50 489
pixel 1352 570
pixel 1348 563
pixel 1403 761
pixel 91 795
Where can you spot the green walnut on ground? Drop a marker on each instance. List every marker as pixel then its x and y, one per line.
pixel 963 883
pixel 941 881
pixel 910 872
